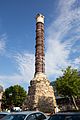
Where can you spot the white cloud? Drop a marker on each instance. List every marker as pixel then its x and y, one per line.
pixel 63 33
pixel 25 66
pixel 76 63
pixel 2 43
pixel 25 63
pixel 62 36
pixel 77 60
pixel 56 57
pixel 11 80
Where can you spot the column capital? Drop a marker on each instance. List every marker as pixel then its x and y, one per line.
pixel 39 18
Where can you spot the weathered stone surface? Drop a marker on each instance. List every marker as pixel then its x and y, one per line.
pixel 40 94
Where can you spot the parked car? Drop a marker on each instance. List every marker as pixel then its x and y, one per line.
pixel 3 114
pixel 26 115
pixel 66 116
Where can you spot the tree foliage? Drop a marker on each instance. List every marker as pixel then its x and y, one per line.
pixel 69 84
pixel 14 95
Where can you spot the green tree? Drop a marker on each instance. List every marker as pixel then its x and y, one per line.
pixel 14 95
pixel 69 84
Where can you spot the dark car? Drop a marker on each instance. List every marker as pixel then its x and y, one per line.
pixel 66 116
pixel 26 115
pixel 3 114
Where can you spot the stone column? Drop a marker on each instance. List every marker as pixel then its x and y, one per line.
pixel 40 93
pixel 39 55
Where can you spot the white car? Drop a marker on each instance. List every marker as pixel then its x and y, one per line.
pixel 26 115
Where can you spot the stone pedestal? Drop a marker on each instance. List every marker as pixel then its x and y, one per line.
pixel 40 94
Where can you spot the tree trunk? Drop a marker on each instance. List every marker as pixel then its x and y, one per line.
pixel 74 102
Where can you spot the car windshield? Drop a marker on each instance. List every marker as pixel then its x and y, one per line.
pixel 14 117
pixel 2 115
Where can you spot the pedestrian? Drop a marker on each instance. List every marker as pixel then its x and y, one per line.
pixel 56 109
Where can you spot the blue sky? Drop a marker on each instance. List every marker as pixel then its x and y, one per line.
pixel 17 38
